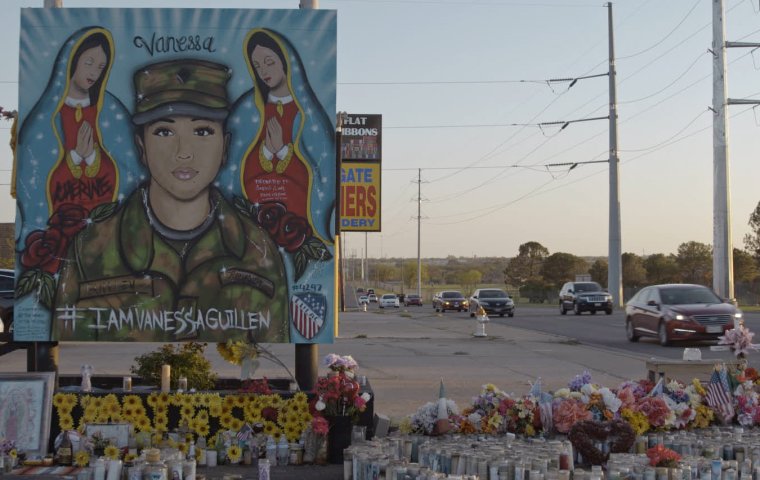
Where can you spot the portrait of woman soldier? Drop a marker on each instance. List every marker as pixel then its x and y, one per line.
pixel 85 174
pixel 280 165
pixel 176 261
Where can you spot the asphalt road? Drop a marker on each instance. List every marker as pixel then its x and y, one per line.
pixel 599 330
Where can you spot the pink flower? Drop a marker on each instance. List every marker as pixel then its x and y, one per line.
pixel 319 425
pixel 655 409
pixel 360 403
pixel 568 412
pixel 628 398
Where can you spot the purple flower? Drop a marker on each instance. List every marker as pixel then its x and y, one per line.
pixel 579 381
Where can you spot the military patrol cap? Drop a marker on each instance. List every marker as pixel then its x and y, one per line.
pixel 181 87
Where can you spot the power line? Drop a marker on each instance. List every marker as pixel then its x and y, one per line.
pixel 663 38
pixel 571 80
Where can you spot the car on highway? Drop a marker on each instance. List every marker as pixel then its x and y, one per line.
pixel 493 300
pixel 584 297
pixel 412 299
pixel 672 312
pixel 449 300
pixel 389 300
pixel 363 300
pixel 372 298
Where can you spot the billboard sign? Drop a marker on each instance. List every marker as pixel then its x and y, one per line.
pixel 175 175
pixel 361 158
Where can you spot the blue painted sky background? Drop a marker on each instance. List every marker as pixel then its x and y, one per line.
pixel 445 75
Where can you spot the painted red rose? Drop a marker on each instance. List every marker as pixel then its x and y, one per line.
pixel 293 231
pixel 270 215
pixel 44 249
pixel 69 218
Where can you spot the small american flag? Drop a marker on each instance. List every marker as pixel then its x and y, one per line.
pixel 718 397
pixel 244 433
pixel 308 313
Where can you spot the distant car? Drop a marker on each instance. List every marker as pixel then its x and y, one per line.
pixel 360 290
pixel 364 300
pixel 584 297
pixel 678 312
pixel 412 299
pixel 370 291
pixel 493 300
pixel 372 298
pixel 449 300
pixel 389 300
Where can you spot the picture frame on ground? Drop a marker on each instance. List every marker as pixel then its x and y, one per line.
pixel 116 433
pixel 26 402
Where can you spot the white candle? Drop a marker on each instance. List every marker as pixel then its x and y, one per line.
pixel 211 458
pixel 114 470
pixel 166 375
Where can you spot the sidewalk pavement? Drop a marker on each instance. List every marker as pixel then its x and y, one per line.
pixel 404 358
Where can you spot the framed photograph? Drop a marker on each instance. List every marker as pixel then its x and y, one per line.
pixel 117 433
pixel 26 402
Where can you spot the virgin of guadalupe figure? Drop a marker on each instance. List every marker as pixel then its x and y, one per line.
pixel 85 173
pixel 281 167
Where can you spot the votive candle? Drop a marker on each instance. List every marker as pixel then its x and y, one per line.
pixel 166 375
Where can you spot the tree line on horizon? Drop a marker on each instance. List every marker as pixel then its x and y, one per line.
pixel 537 274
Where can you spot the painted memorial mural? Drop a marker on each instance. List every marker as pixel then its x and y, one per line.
pixel 176 175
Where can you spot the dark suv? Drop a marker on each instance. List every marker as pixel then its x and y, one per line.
pixel 449 300
pixel 584 297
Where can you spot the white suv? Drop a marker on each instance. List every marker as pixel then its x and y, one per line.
pixel 389 300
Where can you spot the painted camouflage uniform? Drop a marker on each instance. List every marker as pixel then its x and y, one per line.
pixel 125 265
pixel 129 277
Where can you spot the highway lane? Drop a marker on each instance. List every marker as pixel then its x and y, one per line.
pixel 600 330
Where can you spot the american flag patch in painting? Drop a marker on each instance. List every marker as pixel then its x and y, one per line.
pixel 308 313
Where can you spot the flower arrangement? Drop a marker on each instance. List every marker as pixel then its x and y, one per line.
pixel 339 394
pixel 8 447
pixel 340 364
pixel 739 340
pixel 320 426
pixel 423 420
pixel 660 456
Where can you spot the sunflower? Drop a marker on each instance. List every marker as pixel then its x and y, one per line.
pixel 97 403
pixel 58 400
pixel 110 399
pixel 182 447
pixel 202 429
pixel 66 422
pixel 84 400
pixel 70 399
pixel 270 428
pixel 114 410
pixel 241 400
pixel 82 458
pixel 187 411
pixel 153 399
pixel 226 421
pixel 163 399
pixel 229 401
pixel 292 432
pixel 300 397
pixel 236 424
pixel 132 401
pixel 202 415
pixel 143 424
pixel 130 457
pixel 215 410
pixel 112 452
pixel 234 453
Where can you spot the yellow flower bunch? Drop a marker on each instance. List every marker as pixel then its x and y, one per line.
pixel 704 417
pixel 130 457
pixel 82 458
pixel 64 404
pixel 698 387
pixel 405 425
pixel 235 351
pixel 294 417
pixel 638 421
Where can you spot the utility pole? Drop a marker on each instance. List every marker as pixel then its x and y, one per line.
pixel 419 223
pixel 615 271
pixel 723 251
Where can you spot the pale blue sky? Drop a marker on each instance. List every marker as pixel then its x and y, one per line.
pixel 428 56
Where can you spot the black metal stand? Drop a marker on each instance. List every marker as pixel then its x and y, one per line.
pixel 307 365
